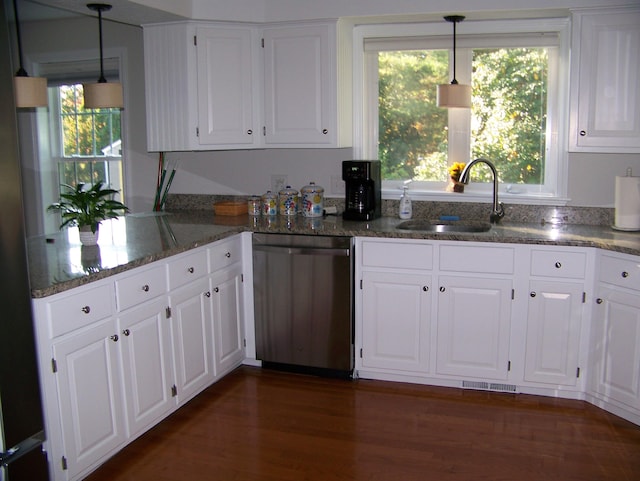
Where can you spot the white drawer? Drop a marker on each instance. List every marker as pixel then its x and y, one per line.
pixel 399 255
pixel 620 272
pixel 558 263
pixel 225 252
pixel 187 268
pixel 77 310
pixel 141 287
pixel 490 260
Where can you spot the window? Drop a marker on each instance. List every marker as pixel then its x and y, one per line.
pixel 514 68
pixel 90 140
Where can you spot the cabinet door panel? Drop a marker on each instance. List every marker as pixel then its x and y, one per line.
pixel 396 321
pixel 191 328
pixel 227 319
pixel 146 359
pixel 617 356
pixel 90 396
pixel 473 327
pixel 553 332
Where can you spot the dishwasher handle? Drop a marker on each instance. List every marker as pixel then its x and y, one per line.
pixel 303 251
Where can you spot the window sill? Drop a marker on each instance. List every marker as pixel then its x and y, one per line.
pixel 474 195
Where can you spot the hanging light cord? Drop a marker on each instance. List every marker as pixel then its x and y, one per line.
pixel 21 71
pixel 454 19
pixel 99 7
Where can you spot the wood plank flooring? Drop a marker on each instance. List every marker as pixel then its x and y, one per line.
pixel 263 425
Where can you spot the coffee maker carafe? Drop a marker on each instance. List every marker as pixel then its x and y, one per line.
pixel 363 200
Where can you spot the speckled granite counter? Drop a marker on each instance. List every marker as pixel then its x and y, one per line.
pixel 58 262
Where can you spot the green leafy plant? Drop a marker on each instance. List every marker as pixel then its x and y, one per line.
pixel 87 208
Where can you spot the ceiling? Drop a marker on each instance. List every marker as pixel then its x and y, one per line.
pixel 123 11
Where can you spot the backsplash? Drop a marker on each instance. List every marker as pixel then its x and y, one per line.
pixel 536 214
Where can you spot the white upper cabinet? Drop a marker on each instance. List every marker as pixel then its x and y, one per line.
pixel 212 86
pixel 605 81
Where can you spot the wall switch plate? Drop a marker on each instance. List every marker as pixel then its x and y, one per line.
pixel 337 185
pixel 278 182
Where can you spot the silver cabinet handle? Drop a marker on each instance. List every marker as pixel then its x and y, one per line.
pixel 227 255
pixel 145 288
pixel 86 309
pixel 114 338
pixel 532 294
pixel 249 132
pixel 599 301
pixel 558 265
pixel 625 274
pixel 583 133
pixel 325 131
pixel 126 332
pixel 442 289
pixel 216 289
pixel 425 288
pixel 207 294
pixel 191 270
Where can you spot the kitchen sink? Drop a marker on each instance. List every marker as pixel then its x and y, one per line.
pixel 444 226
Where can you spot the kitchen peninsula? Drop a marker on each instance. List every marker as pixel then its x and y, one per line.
pixel 132 329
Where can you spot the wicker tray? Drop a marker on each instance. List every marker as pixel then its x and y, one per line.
pixel 231 208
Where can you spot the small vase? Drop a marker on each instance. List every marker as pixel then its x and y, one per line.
pixel 88 238
pixel 455 186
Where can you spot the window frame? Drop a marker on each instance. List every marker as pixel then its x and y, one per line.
pixel 439 33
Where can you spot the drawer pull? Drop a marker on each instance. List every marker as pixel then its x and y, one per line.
pixel 533 294
pixel 228 254
pixel 191 270
pixel 207 294
pixel 625 274
pixel 325 131
pixel 216 289
pixel 599 301
pixel 442 289
pixel 558 265
pixel 249 132
pixel 145 288
pixel 126 332
pixel 114 338
pixel 425 288
pixel 86 309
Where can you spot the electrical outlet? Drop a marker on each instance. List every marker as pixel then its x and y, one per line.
pixel 337 185
pixel 278 182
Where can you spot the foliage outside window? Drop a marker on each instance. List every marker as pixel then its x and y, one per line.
pixel 515 110
pixel 91 142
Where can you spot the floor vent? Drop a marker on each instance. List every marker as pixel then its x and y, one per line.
pixel 490 386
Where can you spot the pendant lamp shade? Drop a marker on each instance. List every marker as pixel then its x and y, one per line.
pixel 454 95
pixel 102 95
pixel 29 91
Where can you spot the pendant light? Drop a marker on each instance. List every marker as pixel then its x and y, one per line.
pixel 102 95
pixel 29 91
pixel 454 95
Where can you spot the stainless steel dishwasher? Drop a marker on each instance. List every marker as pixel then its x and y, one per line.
pixel 303 313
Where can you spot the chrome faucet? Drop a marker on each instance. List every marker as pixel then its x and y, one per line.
pixel 498 209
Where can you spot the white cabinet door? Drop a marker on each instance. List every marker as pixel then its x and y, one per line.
pixel 396 321
pixel 146 363
pixel 616 327
pixel 474 319
pixel 191 314
pixel 90 396
pixel 300 85
pixel 605 103
pixel 226 75
pixel 553 332
pixel 228 332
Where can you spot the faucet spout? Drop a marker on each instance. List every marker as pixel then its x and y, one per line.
pixel 497 212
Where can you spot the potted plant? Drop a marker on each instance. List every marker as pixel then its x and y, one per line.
pixel 86 208
pixel 455 170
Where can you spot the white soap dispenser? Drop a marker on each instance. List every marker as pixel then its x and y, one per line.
pixel 405 211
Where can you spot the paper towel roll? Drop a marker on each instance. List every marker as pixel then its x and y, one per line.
pixel 627 204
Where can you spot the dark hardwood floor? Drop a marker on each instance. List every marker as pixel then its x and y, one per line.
pixel 264 425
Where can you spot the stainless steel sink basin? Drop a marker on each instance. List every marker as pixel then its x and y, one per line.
pixel 444 226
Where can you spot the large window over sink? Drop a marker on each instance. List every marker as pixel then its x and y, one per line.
pixel 518 73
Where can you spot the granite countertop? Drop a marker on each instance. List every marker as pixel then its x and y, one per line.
pixel 58 262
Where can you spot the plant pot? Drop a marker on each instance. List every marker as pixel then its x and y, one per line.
pixel 88 238
pixel 455 186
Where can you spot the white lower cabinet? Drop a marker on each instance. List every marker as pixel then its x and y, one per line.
pixel 120 354
pixel 473 327
pixel 88 413
pixel 145 343
pixel 396 310
pixel 227 318
pixel 554 322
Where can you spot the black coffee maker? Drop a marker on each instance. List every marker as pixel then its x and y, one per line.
pixel 363 200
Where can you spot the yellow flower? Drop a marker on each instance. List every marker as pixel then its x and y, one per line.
pixel 456 169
